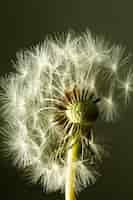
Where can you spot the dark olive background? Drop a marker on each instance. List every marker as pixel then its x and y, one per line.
pixel 24 23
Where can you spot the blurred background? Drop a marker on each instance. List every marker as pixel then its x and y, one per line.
pixel 25 23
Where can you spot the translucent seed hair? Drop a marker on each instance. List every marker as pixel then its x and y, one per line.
pixel 52 101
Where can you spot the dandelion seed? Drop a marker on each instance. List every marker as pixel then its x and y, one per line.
pixel 127 86
pixel 50 107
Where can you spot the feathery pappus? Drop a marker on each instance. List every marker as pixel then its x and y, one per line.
pixel 53 100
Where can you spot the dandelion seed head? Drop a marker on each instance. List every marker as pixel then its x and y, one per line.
pixel 59 90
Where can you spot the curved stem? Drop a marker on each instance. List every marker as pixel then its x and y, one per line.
pixel 71 170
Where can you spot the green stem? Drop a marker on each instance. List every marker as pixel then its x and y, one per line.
pixel 71 170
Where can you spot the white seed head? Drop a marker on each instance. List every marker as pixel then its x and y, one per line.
pixel 59 89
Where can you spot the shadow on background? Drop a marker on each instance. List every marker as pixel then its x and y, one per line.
pixel 26 23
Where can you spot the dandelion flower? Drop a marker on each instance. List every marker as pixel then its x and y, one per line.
pixel 50 106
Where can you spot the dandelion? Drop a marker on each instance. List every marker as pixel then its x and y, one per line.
pixel 50 106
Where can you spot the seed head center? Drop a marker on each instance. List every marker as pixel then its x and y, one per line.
pixel 76 107
pixel 73 112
